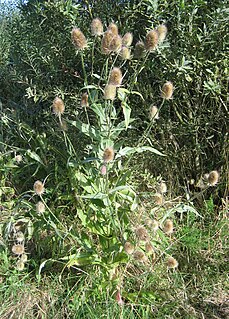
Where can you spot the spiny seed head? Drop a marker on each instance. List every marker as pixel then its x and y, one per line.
pixel 127 39
pixel 153 113
pixel 78 39
pixel 140 256
pixel 149 248
pixel 213 178
pixel 124 53
pixel 158 198
pixel 20 265
pixel 40 207
pixel 167 90
pixel 109 92
pixel 168 226
pixel 84 100
pixel 151 40
pixel 116 43
pixel 162 188
pixel 162 32
pixel 18 249
pixel 141 233
pixel 18 158
pixel 38 188
pixel 24 258
pixel 115 77
pixel 20 237
pixel 113 28
pixel 108 154
pixel 154 225
pixel 172 262
pixel 58 106
pixel 106 42
pixel 139 50
pixel 96 27
pixel 129 248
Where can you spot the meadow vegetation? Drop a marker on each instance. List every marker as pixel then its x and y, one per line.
pixel 113 159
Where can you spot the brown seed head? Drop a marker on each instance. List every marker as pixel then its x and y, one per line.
pixel 40 207
pixel 58 106
pixel 24 258
pixel 106 42
pixel 116 43
pixel 124 53
pixel 109 92
pixel 167 90
pixel 168 226
pixel 151 40
pixel 84 100
pixel 153 113
pixel 113 28
pixel 162 32
pixel 172 262
pixel 78 39
pixel 115 77
pixel 140 256
pixel 149 248
pixel 127 39
pixel 20 265
pixel 38 188
pixel 18 158
pixel 18 249
pixel 108 154
pixel 139 50
pixel 96 27
pixel 129 248
pixel 213 178
pixel 141 233
pixel 158 198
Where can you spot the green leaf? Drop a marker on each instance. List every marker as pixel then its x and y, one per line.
pixel 126 151
pixel 126 111
pixel 34 156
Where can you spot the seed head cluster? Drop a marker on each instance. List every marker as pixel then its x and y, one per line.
pixel 40 207
pixel 141 233
pixel 153 113
pixel 168 227
pixel 127 39
pixel 109 92
pixel 167 90
pixel 96 27
pixel 172 263
pixel 78 39
pixel 213 178
pixel 108 155
pixel 162 32
pixel 115 77
pixel 151 40
pixel 18 249
pixel 58 106
pixel 38 188
pixel 129 248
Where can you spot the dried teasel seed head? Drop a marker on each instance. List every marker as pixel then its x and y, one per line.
pixel 58 106
pixel 109 92
pixel 213 178
pixel 18 249
pixel 113 28
pixel 158 198
pixel 84 100
pixel 153 113
pixel 154 225
pixel 139 50
pixel 129 248
pixel 141 233
pixel 127 39
pixel 116 43
pixel 38 187
pixel 151 40
pixel 162 188
pixel 108 155
pixel 167 90
pixel 115 77
pixel 78 39
pixel 24 258
pixel 140 256
pixel 124 53
pixel 40 207
pixel 20 237
pixel 168 227
pixel 172 262
pixel 106 42
pixel 162 32
pixel 149 248
pixel 20 265
pixel 96 27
